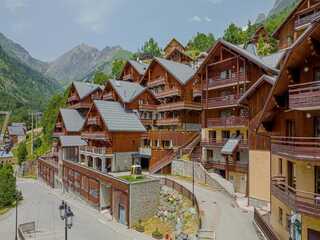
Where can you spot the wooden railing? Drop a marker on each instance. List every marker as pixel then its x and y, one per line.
pixel 93 121
pixel 127 77
pixel 95 135
pixel 95 96
pixel 197 93
pixel 157 82
pixel 180 106
pixel 107 96
pixel 72 99
pixel 147 121
pixel 168 93
pixel 264 226
pixel 219 143
pixel 147 107
pixel 301 201
pixel 95 150
pixel 59 125
pixel 217 82
pixel 168 121
pixel 305 95
pixel 228 121
pixel 300 148
pixel 224 101
pixel 185 192
pixel 306 20
pixel 231 166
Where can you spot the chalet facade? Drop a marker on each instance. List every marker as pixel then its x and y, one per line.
pixel 173 44
pixel 133 71
pixel 291 117
pixel 297 22
pixel 227 73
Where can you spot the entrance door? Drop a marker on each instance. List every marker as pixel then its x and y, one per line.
pixel 291 175
pixel 313 235
pixel 122 214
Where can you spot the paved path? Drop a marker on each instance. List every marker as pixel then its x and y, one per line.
pixel 221 215
pixel 41 203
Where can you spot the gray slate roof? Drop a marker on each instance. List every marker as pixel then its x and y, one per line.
pixel 72 119
pixel 16 131
pixel 182 72
pixel 140 67
pixel 84 88
pixel 117 119
pixel 274 59
pixel 127 90
pixel 71 141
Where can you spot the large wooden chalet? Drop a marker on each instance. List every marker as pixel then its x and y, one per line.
pixel 133 71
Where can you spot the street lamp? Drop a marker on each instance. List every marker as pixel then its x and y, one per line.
pixel 67 215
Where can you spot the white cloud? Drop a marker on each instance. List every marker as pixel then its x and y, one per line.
pixel 200 19
pixel 92 14
pixel 15 5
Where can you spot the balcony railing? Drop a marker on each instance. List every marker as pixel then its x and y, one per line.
pixel 219 143
pixel 168 121
pixel 231 166
pixel 157 82
pixel 300 201
pixel 93 121
pixel 197 93
pixel 95 96
pixel 147 107
pixel 305 95
pixel 145 151
pixel 306 20
pixel 224 101
pixel 58 134
pixel 128 77
pixel 228 121
pixel 216 82
pixel 73 99
pixel 168 93
pixel 59 125
pixel 81 105
pixel 96 136
pixel 147 121
pixel 95 150
pixel 107 96
pixel 180 106
pixel 299 148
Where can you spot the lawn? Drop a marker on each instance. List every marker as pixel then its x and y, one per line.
pixel 132 178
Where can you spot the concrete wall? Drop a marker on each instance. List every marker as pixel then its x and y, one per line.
pixel 144 200
pixel 122 162
pixel 280 229
pixel 311 223
pixel 259 177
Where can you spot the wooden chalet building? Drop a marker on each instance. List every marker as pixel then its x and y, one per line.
pixel 173 44
pixel 227 73
pixel 175 51
pixel 292 118
pixel 81 95
pixel 297 22
pixel 133 71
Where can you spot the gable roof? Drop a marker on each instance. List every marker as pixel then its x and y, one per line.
pixel 126 90
pixel 171 41
pixel 117 119
pixel 274 59
pixel 264 78
pixel 71 141
pixel 16 131
pixel 84 89
pixel 181 52
pixel 181 72
pixel 139 66
pixel 72 119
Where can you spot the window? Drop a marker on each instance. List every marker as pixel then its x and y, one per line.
pixel 225 134
pixel 212 135
pixel 316 126
pixel 288 221
pixel 280 219
pixel 317 74
pixel 280 166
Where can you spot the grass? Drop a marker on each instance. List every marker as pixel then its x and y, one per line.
pixel 4 210
pixel 132 178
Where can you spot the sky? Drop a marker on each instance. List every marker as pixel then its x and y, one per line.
pixel 49 28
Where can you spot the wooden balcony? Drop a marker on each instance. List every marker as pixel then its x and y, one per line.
pixel 197 93
pixel 168 93
pixel 231 121
pixel 222 102
pixel 302 21
pixel 128 77
pixel 59 125
pixel 107 96
pixel 305 96
pixel 231 166
pixel 57 134
pixel 147 122
pixel 94 121
pixel 219 143
pixel 298 148
pixel 96 136
pixel 157 82
pixel 147 107
pixel 168 121
pixel 73 98
pixel 300 201
pixel 95 150
pixel 95 96
pixel 216 82
pixel 81 105
pixel 180 106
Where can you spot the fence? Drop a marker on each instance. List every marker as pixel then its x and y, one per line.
pixel 264 226
pixel 184 191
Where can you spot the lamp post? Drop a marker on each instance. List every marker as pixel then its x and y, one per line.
pixel 67 215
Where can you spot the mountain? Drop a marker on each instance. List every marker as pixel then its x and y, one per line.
pixel 21 87
pixel 281 5
pixel 17 51
pixel 82 61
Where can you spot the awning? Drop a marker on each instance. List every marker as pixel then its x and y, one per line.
pixel 72 141
pixel 230 146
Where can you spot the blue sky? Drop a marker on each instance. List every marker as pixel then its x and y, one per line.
pixel 48 28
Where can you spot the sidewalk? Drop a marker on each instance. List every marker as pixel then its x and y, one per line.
pixel 221 218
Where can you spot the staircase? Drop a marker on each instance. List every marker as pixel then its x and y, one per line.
pixel 196 153
pixel 166 160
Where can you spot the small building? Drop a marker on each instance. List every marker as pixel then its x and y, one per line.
pixel 133 71
pixel 6 158
pixel 17 133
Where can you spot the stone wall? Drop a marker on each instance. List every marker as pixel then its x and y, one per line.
pixel 185 168
pixel 122 162
pixel 144 200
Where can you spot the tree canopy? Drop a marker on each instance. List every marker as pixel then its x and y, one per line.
pixel 151 47
pixel 201 42
pixel 117 67
pixel 22 153
pixel 101 78
pixel 7 186
pixel 235 34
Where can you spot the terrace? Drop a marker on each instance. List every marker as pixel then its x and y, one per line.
pixel 305 96
pixel 235 78
pixel 180 106
pixel 219 143
pixel 231 121
pixel 305 19
pixel 168 93
pixel 157 82
pixel 222 102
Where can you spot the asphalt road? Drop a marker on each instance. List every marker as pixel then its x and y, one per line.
pixel 41 203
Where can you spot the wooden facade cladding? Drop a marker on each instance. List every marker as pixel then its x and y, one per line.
pixel 129 73
pixel 177 55
pixel 304 96
pixel 173 44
